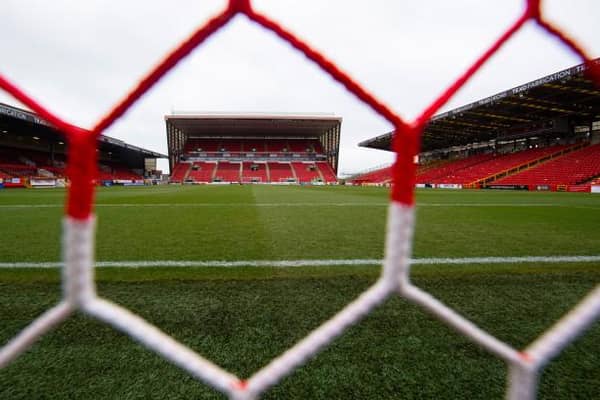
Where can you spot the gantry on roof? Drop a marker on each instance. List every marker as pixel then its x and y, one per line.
pixel 532 108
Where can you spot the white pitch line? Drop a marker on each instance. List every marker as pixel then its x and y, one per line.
pixel 170 205
pixel 305 263
pixel 124 205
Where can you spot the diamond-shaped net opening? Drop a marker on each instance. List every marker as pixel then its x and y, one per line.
pixel 78 238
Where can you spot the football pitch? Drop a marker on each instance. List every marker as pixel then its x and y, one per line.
pixel 241 273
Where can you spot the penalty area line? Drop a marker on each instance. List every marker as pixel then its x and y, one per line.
pixel 311 263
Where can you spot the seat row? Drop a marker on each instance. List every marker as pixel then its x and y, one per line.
pixel 258 172
pixel 556 165
pixel 570 169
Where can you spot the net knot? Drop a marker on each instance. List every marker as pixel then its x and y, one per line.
pixel 533 9
pixel 241 385
pixel 526 357
pixel 241 6
pixel 81 170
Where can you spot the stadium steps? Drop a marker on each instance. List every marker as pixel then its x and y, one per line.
pixel 203 172
pixel 326 171
pixel 187 172
pixel 280 171
pixel 214 173
pixel 227 171
pixel 248 175
pixel 321 175
pixel 304 172
pixel 527 165
pixel 180 172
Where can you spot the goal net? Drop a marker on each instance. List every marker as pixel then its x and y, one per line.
pixel 79 291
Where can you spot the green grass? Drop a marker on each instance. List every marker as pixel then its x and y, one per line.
pixel 243 317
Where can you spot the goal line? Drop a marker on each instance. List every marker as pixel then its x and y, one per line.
pixel 313 263
pixel 298 204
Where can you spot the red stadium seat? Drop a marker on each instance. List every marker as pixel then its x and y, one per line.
pixel 573 168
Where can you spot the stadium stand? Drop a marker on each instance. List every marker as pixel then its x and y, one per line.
pixel 376 176
pixel 202 172
pixel 123 173
pixel 277 145
pixel 180 172
pixel 114 171
pixel 307 172
pixel 300 146
pixel 57 171
pixel 27 163
pixel 448 172
pixel 254 172
pixel 493 168
pixel 32 151
pixel 18 170
pixel 495 164
pixel 254 148
pixel 383 175
pixel 228 172
pixel 571 169
pixel 254 145
pixel 202 145
pixel 281 172
pixel 317 147
pixel 230 145
pixel 555 113
pixel 326 171
pixel 4 175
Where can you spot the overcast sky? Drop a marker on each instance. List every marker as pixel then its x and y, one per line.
pixel 80 57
